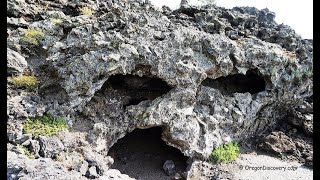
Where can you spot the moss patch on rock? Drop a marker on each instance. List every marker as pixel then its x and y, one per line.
pixel 45 126
pixel 33 36
pixel 25 82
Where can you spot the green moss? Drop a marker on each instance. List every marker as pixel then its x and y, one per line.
pixel 226 152
pixel 26 151
pixel 45 126
pixel 26 82
pixel 33 36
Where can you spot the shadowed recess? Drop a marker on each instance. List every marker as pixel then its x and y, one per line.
pixel 238 83
pixel 142 153
pixel 137 88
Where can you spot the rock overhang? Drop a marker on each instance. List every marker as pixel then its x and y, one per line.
pixel 87 51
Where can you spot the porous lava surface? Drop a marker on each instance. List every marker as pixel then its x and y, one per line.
pixel 205 75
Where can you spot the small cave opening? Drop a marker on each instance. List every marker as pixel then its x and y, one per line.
pixel 136 89
pixel 135 101
pixel 142 153
pixel 70 10
pixel 251 82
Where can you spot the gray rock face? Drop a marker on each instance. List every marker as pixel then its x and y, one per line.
pixel 14 131
pixel 35 148
pixel 102 163
pixel 16 63
pixel 73 160
pixel 23 138
pixel 50 147
pixel 21 167
pixel 22 105
pixel 17 22
pixel 115 174
pixel 192 60
pixel 206 75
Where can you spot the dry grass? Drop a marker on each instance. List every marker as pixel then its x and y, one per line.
pixel 25 82
pixel 45 126
pixel 86 11
pixel 33 36
pixel 56 21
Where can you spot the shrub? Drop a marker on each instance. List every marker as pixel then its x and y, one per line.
pixel 26 151
pixel 86 11
pixel 226 152
pixel 33 36
pixel 26 82
pixel 45 126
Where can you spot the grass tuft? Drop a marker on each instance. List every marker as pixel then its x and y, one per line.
pixel 86 11
pixel 25 82
pixel 45 126
pixel 33 36
pixel 226 152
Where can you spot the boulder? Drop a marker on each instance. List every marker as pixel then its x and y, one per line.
pixel 50 147
pixel 278 142
pixel 169 167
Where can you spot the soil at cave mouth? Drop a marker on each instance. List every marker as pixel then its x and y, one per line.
pixel 141 155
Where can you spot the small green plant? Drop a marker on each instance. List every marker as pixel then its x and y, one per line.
pixel 26 151
pixel 26 82
pixel 33 36
pixel 86 11
pixel 45 126
pixel 56 21
pixel 226 152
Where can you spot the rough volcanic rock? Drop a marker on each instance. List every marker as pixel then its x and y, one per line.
pixel 21 167
pixel 207 75
pixel 204 170
pixel 102 163
pixel 14 131
pixel 115 174
pixel 50 147
pixel 288 141
pixel 279 143
pixel 15 62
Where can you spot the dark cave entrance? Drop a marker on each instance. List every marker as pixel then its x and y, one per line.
pixel 136 89
pixel 251 82
pixel 142 153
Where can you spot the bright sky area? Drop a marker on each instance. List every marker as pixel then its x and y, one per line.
pixel 295 13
